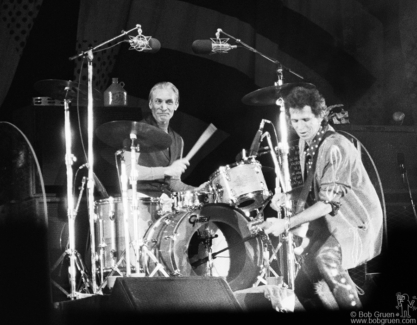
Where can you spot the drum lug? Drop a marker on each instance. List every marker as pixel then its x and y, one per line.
pixel 219 191
pixel 227 176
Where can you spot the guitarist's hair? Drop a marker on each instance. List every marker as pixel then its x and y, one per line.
pixel 300 96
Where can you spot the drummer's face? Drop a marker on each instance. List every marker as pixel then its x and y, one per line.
pixel 163 104
pixel 305 123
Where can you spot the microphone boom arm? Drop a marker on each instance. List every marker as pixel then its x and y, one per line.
pixel 257 52
pixel 123 33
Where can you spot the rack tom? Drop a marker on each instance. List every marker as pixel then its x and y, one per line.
pixel 241 185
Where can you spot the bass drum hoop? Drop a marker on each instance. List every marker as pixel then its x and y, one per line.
pixel 171 247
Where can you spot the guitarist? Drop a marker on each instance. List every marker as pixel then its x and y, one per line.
pixel 341 207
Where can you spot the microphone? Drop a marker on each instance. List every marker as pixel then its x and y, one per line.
pixel 142 43
pixel 211 46
pixel 97 182
pixel 254 148
pixel 401 164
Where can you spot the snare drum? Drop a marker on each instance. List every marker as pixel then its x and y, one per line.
pixel 189 200
pixel 179 241
pixel 109 228
pixel 241 185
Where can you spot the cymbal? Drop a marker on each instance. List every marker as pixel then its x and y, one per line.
pixel 149 137
pixel 269 95
pixel 57 89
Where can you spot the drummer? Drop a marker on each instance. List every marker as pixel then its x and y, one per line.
pixel 160 172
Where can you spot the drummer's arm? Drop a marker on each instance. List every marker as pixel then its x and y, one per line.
pixel 144 173
pixel 174 182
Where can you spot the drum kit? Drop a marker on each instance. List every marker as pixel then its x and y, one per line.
pixel 207 233
pixel 190 233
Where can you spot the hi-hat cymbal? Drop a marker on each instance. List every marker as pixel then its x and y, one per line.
pixel 269 95
pixel 63 89
pixel 149 137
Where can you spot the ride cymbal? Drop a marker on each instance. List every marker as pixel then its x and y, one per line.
pixel 150 138
pixel 64 89
pixel 268 96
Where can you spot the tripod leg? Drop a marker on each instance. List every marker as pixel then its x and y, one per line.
pixel 81 268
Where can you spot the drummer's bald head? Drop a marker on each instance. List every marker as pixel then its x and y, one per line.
pixel 166 85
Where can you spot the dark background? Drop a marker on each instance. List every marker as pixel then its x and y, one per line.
pixel 211 89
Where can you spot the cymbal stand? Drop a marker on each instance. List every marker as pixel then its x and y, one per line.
pixel 287 237
pixel 140 247
pixel 266 266
pixel 125 202
pixel 78 261
pixel 69 158
pixel 133 178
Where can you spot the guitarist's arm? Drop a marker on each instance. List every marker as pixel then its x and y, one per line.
pixel 278 226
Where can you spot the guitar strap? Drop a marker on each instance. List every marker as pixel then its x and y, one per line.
pixel 300 206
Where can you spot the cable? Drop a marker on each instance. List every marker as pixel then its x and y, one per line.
pixel 37 166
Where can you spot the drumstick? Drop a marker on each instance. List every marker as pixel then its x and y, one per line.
pixel 202 140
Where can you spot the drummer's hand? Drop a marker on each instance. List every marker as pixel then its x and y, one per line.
pixel 177 168
pixel 203 187
pixel 278 200
pixel 274 226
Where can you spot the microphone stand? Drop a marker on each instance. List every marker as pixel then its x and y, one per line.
pixel 289 274
pixel 90 186
pixel 280 66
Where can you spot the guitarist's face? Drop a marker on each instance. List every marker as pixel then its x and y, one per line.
pixel 305 123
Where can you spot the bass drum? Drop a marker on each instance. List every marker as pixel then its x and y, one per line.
pixel 181 242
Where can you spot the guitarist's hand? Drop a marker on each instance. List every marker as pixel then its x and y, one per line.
pixel 278 200
pixel 274 226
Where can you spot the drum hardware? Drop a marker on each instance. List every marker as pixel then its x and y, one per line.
pixel 90 121
pixel 269 95
pixel 178 245
pixel 141 250
pixel 149 138
pixel 133 178
pixel 72 91
pixel 206 237
pixel 265 275
pixel 190 200
pixel 78 262
pixel 241 185
pixel 209 259
pixel 67 91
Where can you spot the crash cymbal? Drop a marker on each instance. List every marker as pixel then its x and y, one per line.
pixel 150 138
pixel 269 95
pixel 57 89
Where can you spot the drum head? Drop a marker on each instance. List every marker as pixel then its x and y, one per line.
pixel 216 235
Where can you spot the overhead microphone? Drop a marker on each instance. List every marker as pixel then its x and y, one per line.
pixel 212 46
pixel 254 148
pixel 143 43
